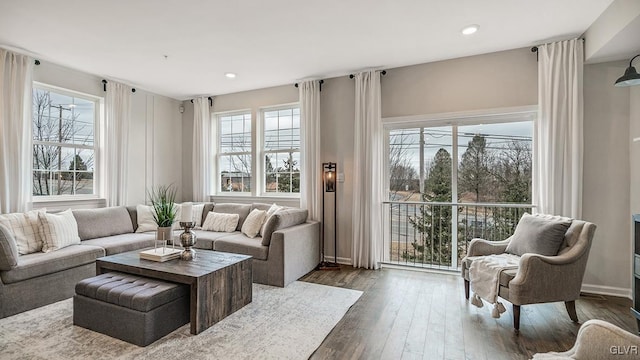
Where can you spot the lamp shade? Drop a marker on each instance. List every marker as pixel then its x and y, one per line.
pixel 630 77
pixel 329 176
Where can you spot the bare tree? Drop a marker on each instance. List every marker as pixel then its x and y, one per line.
pixel 402 175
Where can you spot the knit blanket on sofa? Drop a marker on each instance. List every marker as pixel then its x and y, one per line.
pixel 484 277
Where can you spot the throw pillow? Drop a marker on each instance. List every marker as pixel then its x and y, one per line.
pixel 60 230
pixel 196 215
pixel 145 219
pixel 272 211
pixel 538 234
pixel 8 250
pixel 26 229
pixel 221 222
pixel 253 223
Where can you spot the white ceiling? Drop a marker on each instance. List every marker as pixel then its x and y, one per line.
pixel 273 42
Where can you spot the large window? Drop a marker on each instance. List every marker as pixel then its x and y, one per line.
pixel 64 145
pixel 282 150
pixel 449 184
pixel 234 160
pixel 270 147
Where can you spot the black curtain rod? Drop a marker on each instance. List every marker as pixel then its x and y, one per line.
pixel 319 81
pixel 383 72
pixel 210 101
pixel 104 86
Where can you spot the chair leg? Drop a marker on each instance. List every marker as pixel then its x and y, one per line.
pixel 516 318
pixel 466 288
pixel 571 309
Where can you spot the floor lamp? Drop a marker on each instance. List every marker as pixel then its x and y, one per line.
pixel 329 172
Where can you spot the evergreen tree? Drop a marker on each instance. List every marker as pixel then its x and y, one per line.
pixel 433 224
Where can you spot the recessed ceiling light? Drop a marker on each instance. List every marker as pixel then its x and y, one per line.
pixel 230 75
pixel 470 29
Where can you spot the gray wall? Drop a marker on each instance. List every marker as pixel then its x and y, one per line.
pixel 607 178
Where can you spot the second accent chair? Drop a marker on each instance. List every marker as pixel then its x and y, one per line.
pixel 538 278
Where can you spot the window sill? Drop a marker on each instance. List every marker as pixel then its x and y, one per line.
pixel 248 199
pixel 68 202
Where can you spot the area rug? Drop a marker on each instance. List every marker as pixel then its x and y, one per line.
pixel 280 323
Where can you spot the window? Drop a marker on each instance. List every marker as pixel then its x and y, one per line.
pixel 449 184
pixel 234 159
pixel 64 145
pixel 282 150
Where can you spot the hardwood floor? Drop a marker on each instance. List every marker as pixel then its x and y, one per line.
pixel 416 315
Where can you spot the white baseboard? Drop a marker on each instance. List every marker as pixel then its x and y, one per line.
pixel 606 290
pixel 340 260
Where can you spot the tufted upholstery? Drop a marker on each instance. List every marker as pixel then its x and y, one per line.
pixel 130 291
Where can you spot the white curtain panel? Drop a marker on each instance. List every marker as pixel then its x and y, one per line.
pixel 311 172
pixel 558 153
pixel 367 172
pixel 15 131
pixel 118 111
pixel 202 149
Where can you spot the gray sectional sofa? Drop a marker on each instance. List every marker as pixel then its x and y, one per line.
pixel 288 250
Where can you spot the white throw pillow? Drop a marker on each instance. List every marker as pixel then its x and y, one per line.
pixel 196 215
pixel 60 230
pixel 145 219
pixel 253 223
pixel 272 211
pixel 221 222
pixel 26 229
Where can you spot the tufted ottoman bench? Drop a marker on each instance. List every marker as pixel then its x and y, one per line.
pixel 132 308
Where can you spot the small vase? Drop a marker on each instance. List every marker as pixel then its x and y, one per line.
pixel 164 234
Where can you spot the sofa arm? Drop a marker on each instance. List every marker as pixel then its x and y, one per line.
pixel 295 251
pixel 8 250
pixel 599 340
pixel 547 278
pixel 482 247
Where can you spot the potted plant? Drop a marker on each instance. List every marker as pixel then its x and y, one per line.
pixel 162 200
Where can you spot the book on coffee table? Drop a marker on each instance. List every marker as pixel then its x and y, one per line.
pixel 160 254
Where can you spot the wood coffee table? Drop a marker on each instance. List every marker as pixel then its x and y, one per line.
pixel 220 282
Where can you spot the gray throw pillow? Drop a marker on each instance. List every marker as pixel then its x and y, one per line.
pixel 8 250
pixel 538 234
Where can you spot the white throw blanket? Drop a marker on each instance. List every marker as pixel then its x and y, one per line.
pixel 484 275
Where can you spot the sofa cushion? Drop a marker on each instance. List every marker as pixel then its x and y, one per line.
pixel 208 207
pixel 240 209
pixel 240 244
pixel 60 230
pixel 221 222
pixel 538 234
pixel 261 206
pixel 97 223
pixel 26 230
pixel 270 212
pixel 124 242
pixel 253 223
pixel 284 218
pixel 8 249
pixel 205 239
pixel 38 264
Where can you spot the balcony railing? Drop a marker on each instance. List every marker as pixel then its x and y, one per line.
pixel 436 235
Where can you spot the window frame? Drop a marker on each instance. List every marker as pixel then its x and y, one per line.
pixel 263 152
pixel 97 145
pixel 217 184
